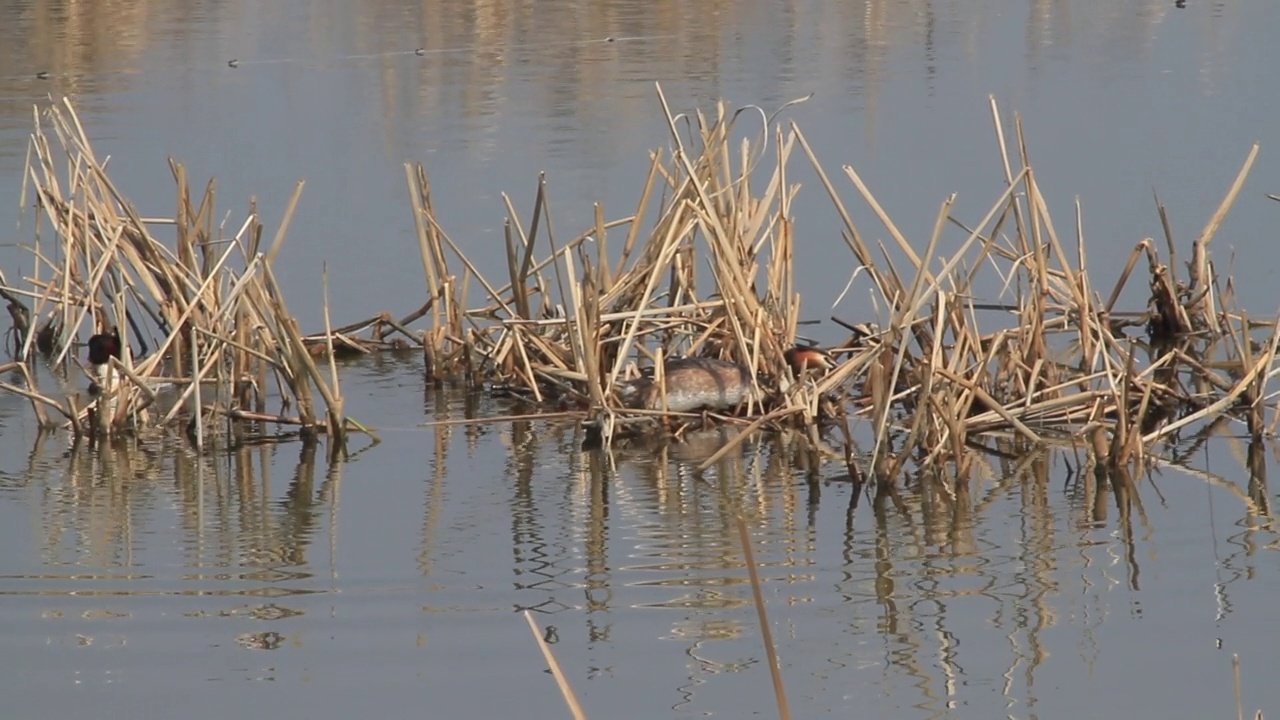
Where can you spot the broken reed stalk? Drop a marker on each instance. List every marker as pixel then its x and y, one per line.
pixel 562 682
pixel 1237 687
pixel 337 423
pixel 766 632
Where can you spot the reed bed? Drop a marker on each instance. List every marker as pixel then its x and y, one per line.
pixel 703 267
pixel 1051 361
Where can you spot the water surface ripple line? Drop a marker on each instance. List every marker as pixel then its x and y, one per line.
pixel 236 63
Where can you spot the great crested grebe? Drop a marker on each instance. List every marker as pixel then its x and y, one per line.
pixel 692 384
pixel 711 384
pixel 103 347
pixel 802 358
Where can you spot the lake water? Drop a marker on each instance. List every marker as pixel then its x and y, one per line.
pixel 150 583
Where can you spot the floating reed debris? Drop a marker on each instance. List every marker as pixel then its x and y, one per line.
pixel 693 298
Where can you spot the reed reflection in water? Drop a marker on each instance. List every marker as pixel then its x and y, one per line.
pixel 917 598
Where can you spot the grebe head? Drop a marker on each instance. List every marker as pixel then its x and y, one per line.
pixel 104 346
pixel 801 358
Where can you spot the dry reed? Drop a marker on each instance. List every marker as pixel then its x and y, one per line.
pixel 206 315
pixel 933 382
pixel 570 324
pixel 566 690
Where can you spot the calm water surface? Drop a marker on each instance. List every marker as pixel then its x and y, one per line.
pixel 152 583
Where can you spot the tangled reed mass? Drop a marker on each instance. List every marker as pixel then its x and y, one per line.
pixel 592 324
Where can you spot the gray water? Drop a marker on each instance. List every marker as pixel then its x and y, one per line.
pixel 146 582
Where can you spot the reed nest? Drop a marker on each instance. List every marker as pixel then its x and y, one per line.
pixel 703 268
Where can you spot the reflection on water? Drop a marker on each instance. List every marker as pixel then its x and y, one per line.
pixel 98 509
pixel 925 598
pixel 475 57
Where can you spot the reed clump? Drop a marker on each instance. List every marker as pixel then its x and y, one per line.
pixel 203 338
pixel 1064 365
pixel 576 326
pixel 940 375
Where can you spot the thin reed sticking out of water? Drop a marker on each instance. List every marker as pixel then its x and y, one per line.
pixel 566 690
pixel 766 633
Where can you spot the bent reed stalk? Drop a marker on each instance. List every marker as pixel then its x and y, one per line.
pixel 705 268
